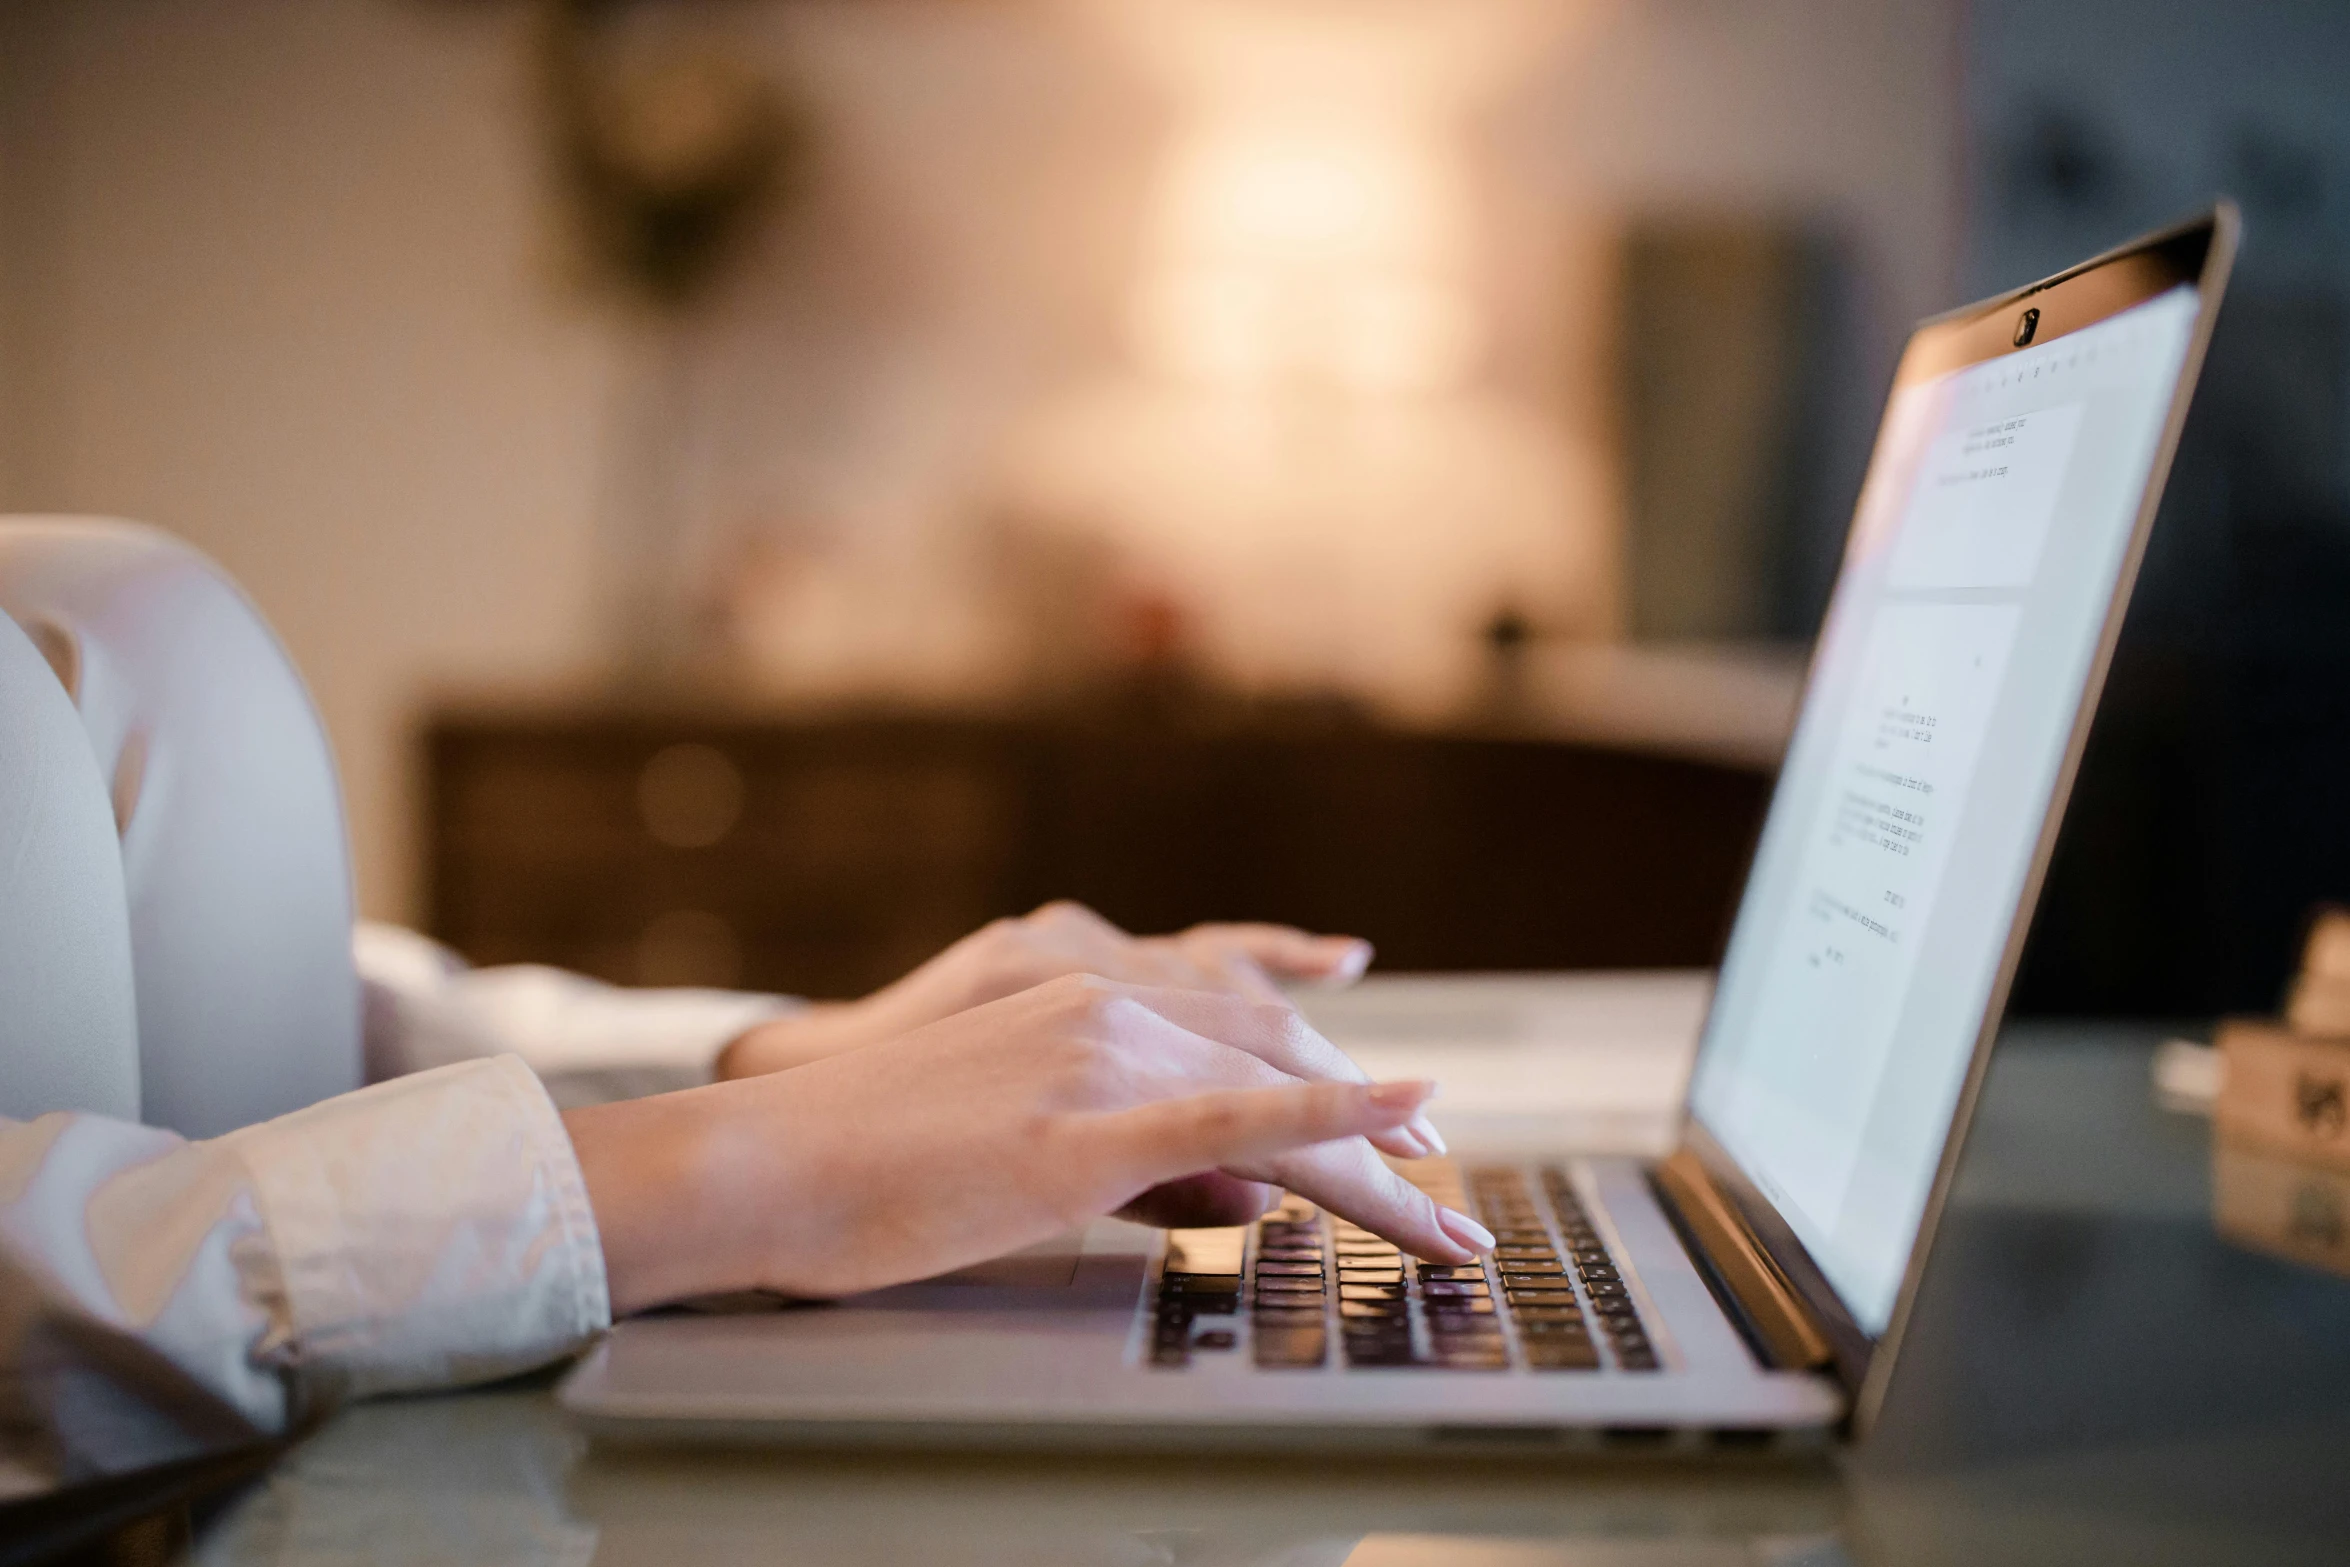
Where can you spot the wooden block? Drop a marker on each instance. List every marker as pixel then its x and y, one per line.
pixel 2319 1005
pixel 2328 954
pixel 2285 1091
pixel 2300 1212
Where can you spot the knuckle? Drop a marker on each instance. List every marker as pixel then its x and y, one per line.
pixel 1101 1003
pixel 1082 1068
pixel 1218 1119
pixel 1289 1028
pixel 1080 994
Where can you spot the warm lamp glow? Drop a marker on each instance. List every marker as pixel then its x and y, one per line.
pixel 1324 252
pixel 1314 452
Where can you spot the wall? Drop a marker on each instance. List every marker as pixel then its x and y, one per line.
pixel 287 296
pixel 278 277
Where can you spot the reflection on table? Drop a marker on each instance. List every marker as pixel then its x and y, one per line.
pixel 2094 1374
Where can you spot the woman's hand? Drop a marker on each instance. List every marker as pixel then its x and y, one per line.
pixel 1012 955
pixel 991 1130
pixel 1007 956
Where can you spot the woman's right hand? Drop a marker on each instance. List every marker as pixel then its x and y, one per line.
pixel 991 1130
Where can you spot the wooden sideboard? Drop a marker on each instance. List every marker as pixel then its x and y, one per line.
pixel 825 855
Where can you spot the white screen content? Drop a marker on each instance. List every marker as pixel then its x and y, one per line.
pixel 1990 538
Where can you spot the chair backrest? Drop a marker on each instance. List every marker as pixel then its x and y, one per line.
pixel 69 1037
pixel 234 866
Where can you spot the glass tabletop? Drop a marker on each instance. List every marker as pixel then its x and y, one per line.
pixel 2094 1374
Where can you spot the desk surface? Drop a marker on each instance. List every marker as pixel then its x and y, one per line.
pixel 2094 1375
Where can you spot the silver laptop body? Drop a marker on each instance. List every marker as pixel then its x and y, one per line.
pixel 1749 1289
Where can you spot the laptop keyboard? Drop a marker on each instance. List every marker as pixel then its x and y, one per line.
pixel 1314 1290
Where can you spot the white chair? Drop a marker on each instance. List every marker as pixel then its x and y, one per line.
pixel 233 879
pixel 69 1038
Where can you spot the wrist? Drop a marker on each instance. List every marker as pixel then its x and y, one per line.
pixel 647 1167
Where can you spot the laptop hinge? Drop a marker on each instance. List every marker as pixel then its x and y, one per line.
pixel 1776 1314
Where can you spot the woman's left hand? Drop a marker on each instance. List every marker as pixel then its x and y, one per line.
pixel 1009 956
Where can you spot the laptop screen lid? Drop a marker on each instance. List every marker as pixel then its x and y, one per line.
pixel 2000 526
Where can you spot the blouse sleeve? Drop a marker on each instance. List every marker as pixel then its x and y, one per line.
pixel 426 1008
pixel 161 1298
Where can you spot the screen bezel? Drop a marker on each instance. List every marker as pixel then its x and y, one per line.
pixel 2198 253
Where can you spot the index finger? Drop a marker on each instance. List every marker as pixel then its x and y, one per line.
pixel 1287 951
pixel 1167 1138
pixel 1277 1034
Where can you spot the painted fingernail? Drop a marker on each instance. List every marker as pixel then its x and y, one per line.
pixel 1408 1093
pixel 1464 1230
pixel 1430 1138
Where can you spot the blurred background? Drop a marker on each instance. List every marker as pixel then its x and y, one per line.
pixel 758 487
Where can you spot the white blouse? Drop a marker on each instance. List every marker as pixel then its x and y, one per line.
pixel 162 1298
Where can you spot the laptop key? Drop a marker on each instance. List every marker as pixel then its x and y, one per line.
pixel 1451 1312
pixel 1552 1327
pixel 1290 1349
pixel 1453 1289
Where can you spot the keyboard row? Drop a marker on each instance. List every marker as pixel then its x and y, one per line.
pixel 1310 1280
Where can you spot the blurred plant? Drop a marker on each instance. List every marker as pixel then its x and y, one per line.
pixel 668 149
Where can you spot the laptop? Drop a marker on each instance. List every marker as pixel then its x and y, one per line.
pixel 1750 1287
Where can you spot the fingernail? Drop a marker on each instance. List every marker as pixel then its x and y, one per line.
pixel 1464 1230
pixel 1408 1093
pixel 1425 1130
pixel 1351 963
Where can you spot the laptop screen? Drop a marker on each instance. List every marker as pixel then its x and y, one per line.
pixel 1992 534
